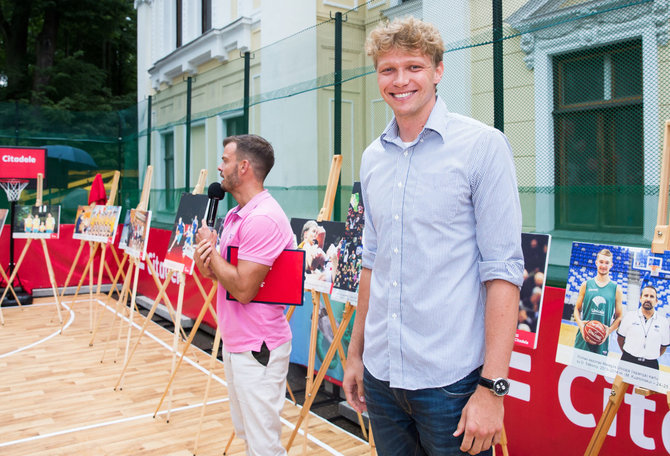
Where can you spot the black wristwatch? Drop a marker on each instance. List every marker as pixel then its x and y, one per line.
pixel 498 386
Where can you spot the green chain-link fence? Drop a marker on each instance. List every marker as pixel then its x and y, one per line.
pixel 584 89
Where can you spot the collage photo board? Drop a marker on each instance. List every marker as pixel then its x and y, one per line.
pixel 190 216
pixel 36 222
pixel 96 223
pixel 627 287
pixel 137 233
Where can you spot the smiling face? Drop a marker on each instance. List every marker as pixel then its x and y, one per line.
pixel 407 83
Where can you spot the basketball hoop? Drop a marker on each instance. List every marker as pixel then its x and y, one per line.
pixel 13 188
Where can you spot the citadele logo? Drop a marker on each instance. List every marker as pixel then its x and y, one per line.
pixel 19 159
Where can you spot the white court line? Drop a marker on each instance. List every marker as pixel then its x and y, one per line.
pixel 70 321
pixel 105 423
pixel 194 364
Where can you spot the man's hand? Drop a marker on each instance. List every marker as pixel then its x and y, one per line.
pixel 206 245
pixel 353 384
pixel 482 421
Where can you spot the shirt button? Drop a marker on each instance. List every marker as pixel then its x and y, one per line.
pixel 395 250
pixel 396 217
pixel 399 184
pixel 394 316
pixel 395 284
pixel 405 153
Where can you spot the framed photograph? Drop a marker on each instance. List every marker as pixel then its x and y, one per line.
pixel 321 242
pixel 138 233
pixel 190 216
pixel 36 222
pixel 350 263
pixel 536 256
pixel 97 223
pixel 615 314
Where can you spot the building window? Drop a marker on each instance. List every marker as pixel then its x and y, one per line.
pixel 598 123
pixel 206 9
pixel 180 10
pixel 235 126
pixel 168 158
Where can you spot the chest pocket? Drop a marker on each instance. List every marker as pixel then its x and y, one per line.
pixel 441 195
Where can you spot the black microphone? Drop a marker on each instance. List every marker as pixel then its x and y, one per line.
pixel 215 193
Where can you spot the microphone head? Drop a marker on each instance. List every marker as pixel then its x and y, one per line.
pixel 215 191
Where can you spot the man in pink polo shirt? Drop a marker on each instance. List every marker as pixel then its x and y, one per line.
pixel 256 337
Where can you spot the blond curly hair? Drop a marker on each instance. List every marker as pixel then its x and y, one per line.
pixel 409 34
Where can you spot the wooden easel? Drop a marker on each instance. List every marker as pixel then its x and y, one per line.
pixel 312 385
pixel 47 258
pixel 93 246
pixel 162 295
pixel 660 244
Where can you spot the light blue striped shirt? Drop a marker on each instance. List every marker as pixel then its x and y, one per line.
pixel 442 216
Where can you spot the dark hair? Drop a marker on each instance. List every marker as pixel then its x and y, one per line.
pixel 257 150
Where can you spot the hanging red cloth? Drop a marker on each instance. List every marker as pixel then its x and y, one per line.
pixel 97 194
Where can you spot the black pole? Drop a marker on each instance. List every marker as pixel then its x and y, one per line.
pixel 247 85
pixel 149 132
pixel 119 149
pixel 498 89
pixel 189 85
pixel 337 127
pixel 17 122
pixel 12 208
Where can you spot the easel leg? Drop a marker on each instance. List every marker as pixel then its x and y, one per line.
pixel 132 311
pixel 118 274
pixel 144 327
pixel 14 273
pixel 9 285
pixel 83 275
pixel 311 394
pixel 90 290
pixel 52 279
pixel 120 304
pixel 74 264
pixel 175 337
pixel 619 388
pixel 166 298
pixel 212 363
pixel 194 330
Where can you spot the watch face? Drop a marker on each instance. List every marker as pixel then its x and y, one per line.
pixel 501 387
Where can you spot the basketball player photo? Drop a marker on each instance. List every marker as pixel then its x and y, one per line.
pixel 614 297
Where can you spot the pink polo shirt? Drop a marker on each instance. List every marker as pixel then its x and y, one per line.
pixel 261 231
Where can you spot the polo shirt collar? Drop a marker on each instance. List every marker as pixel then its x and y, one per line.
pixel 653 317
pixel 435 123
pixel 252 204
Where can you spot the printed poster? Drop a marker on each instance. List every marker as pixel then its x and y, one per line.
pixel 615 315
pixel 36 222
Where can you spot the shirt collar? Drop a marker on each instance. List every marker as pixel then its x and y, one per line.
pixel 653 317
pixel 435 123
pixel 252 204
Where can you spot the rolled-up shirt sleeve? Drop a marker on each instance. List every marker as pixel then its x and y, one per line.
pixel 497 210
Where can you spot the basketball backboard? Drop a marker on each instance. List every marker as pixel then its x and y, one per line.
pixel 23 163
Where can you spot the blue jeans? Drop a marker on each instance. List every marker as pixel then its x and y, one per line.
pixel 417 423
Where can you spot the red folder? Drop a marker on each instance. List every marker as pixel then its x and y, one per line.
pixel 284 282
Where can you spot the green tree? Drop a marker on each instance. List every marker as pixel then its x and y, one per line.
pixel 69 54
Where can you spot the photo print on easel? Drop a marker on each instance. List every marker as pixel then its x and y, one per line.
pixel 138 233
pixel 345 286
pixel 626 287
pixel 37 222
pixel 123 239
pixel 3 217
pixel 321 242
pixel 190 215
pixel 97 223
pixel 536 256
